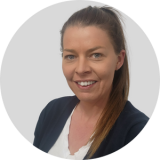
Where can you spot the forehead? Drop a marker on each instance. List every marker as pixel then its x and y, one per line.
pixel 85 37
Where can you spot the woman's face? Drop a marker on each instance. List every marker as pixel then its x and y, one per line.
pixel 89 62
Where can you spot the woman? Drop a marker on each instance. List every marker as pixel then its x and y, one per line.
pixel 98 120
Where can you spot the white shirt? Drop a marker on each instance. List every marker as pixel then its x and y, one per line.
pixel 61 147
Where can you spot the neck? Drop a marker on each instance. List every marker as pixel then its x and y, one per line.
pixel 91 110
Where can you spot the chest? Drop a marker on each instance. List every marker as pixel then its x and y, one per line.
pixel 79 134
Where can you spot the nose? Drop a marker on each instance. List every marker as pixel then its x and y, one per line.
pixel 82 66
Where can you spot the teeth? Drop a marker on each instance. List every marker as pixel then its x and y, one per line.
pixel 86 83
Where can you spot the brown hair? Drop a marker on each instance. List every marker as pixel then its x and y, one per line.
pixel 109 20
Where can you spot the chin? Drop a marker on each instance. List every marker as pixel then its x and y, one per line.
pixel 86 97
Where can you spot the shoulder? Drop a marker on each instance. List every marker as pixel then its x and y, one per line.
pixel 131 121
pixel 128 125
pixel 132 114
pixel 53 110
pixel 58 104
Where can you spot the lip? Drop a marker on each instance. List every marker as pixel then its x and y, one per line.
pixel 85 80
pixel 85 87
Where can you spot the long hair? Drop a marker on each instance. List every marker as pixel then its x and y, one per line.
pixel 109 20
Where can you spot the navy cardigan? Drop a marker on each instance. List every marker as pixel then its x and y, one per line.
pixel 54 116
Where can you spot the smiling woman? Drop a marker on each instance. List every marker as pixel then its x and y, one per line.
pixel 93 59
pixel 99 119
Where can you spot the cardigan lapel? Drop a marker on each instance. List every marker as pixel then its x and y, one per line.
pixel 56 128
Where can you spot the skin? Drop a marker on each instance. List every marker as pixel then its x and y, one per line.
pixel 82 63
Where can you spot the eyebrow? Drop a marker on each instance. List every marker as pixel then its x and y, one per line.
pixel 89 50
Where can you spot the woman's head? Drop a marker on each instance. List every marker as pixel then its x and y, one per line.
pixel 106 20
pixel 86 29
pixel 89 56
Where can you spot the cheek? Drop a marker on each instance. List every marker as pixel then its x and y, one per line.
pixel 64 70
pixel 67 71
pixel 107 73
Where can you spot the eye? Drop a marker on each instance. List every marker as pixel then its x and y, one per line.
pixel 97 55
pixel 69 57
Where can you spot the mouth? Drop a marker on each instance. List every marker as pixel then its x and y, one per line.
pixel 86 87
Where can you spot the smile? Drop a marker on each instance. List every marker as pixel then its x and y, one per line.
pixel 85 85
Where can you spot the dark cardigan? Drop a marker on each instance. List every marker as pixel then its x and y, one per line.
pixel 54 116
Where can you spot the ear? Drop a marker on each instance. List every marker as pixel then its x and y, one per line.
pixel 120 59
